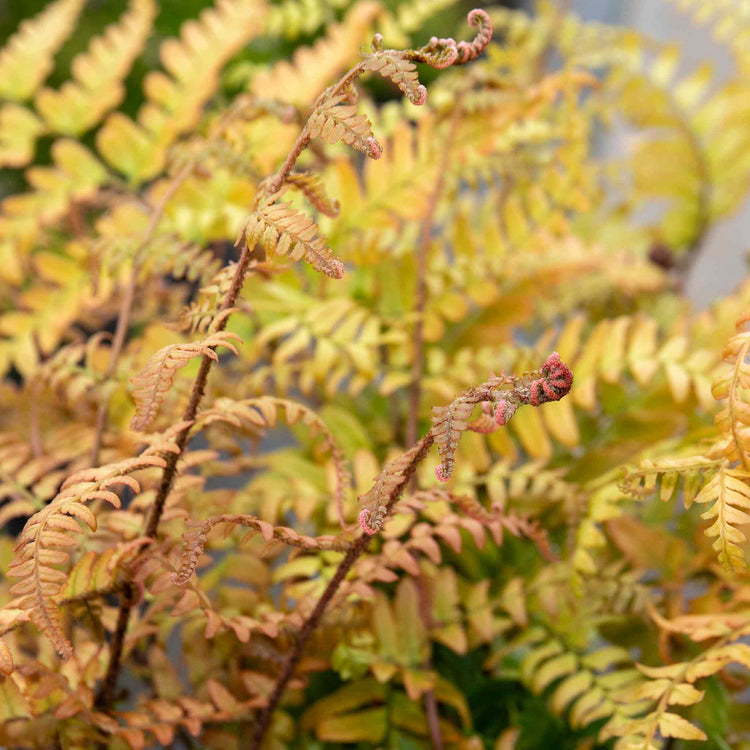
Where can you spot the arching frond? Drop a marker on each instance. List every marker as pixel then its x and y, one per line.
pixel 257 414
pixel 729 495
pixel 49 534
pixel 284 230
pixel 335 120
pixel 401 71
pixel 313 188
pixel 152 383
pixel 194 542
pixel 733 420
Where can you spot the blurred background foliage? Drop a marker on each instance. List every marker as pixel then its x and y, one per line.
pixel 545 239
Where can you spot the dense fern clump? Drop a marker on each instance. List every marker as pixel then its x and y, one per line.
pixel 340 408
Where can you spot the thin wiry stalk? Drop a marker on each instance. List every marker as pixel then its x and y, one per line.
pixel 126 307
pixel 420 292
pixel 430 704
pixel 312 622
pixel 106 692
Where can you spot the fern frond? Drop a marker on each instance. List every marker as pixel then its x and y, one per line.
pixel 120 244
pixel 27 58
pixel 175 99
pixel 634 344
pixel 151 384
pixel 194 542
pixel 71 372
pixel 284 230
pixel 693 470
pixel 200 314
pixel 528 482
pixel 448 422
pixel 494 520
pixel 257 414
pixel 335 121
pixel 312 68
pixel 49 534
pixel 729 494
pixel 387 486
pixel 64 292
pixel 311 185
pixel 733 420
pixel 76 174
pixel 401 71
pixel 19 129
pixel 97 74
pixel 673 684
pixel 550 383
pixel 27 479
pixel 587 685
pixel 95 574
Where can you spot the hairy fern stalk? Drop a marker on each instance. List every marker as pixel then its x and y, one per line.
pixel 342 409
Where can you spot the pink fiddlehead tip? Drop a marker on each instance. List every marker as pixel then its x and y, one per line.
pixel 419 97
pixel 557 374
pixel 500 412
pixel 504 411
pixel 374 149
pixel 364 516
pixel 468 51
pixel 441 473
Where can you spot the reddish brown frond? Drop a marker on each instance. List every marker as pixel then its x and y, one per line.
pixel 151 384
pixel 49 536
pixel 285 231
pixel 335 121
pixel 194 542
pixel 312 187
pixel 257 414
pixel 402 71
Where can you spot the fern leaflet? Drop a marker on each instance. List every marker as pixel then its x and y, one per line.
pixel 151 384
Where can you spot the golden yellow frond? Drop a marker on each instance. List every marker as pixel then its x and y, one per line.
pixel 27 58
pixel 151 384
pixel 97 74
pixel 48 537
pixel 175 98
pixel 313 68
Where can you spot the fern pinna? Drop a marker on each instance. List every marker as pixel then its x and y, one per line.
pixel 410 559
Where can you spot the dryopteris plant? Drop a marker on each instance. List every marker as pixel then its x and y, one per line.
pixel 542 596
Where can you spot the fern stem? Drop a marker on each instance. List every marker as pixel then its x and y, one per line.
pixel 106 694
pixel 303 139
pixel 107 690
pixel 126 306
pixel 420 292
pixel 733 420
pixel 425 614
pixel 312 622
pixel 123 321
